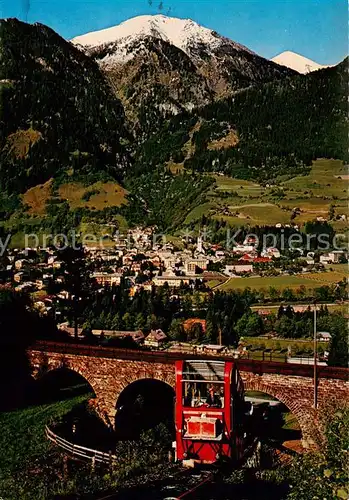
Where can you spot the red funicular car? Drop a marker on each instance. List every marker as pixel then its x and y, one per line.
pixel 209 411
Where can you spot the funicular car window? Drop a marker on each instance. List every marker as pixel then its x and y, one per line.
pixel 203 384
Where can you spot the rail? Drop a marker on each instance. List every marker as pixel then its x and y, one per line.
pixel 163 357
pixel 280 358
pixel 265 356
pixel 78 451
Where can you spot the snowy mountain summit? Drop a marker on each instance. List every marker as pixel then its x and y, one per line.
pixel 165 65
pixel 297 62
pixel 184 34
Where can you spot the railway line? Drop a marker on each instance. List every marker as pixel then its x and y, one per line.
pixel 183 484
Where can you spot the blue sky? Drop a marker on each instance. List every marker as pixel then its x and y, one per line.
pixel 317 29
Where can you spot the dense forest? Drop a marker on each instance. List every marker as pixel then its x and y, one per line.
pixel 280 127
pixel 57 111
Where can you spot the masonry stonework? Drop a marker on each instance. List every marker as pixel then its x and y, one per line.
pixel 108 377
pixel 297 393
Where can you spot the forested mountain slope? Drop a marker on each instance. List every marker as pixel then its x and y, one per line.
pixel 63 127
pixel 259 132
pixel 57 111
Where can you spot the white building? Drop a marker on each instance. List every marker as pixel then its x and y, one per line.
pixel 243 249
pixel 232 269
pixel 332 257
pixel 172 281
pixel 324 336
pixel 199 245
pixel 192 265
pixel 271 252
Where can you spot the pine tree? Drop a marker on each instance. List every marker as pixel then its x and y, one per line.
pixel 140 321
pixel 76 279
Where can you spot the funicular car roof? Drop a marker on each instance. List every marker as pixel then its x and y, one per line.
pixel 202 370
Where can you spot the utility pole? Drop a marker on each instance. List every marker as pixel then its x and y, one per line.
pixel 315 359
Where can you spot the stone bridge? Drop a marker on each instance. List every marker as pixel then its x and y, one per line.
pixel 109 371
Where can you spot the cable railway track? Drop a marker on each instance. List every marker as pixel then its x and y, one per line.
pixel 185 484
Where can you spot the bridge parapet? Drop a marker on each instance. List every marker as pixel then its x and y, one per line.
pixel 164 357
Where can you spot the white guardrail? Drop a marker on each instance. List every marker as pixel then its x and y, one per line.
pixel 80 451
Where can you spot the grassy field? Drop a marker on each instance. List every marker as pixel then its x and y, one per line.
pixel 339 268
pixel 22 438
pixel 259 395
pixel 36 197
pixel 239 201
pixel 327 177
pixel 327 277
pixel 102 195
pixel 290 422
pixel 198 212
pixel 261 213
pixel 243 187
pixel 311 280
pixel 229 140
pixel 95 197
pixel 32 469
pixel 280 344
pixel 213 283
pixel 18 240
pixel 175 240
pixel 20 142
pixel 100 230
pixel 278 282
pixel 175 168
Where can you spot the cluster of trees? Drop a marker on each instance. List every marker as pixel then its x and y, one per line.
pixel 222 312
pixel 114 309
pixel 289 324
pixel 228 317
pixel 164 199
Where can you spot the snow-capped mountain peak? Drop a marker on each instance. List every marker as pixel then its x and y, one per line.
pixel 185 34
pixel 297 62
pixel 169 64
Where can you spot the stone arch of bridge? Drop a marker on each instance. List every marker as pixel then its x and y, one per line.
pixel 303 413
pixel 143 404
pixel 51 369
pixel 166 377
